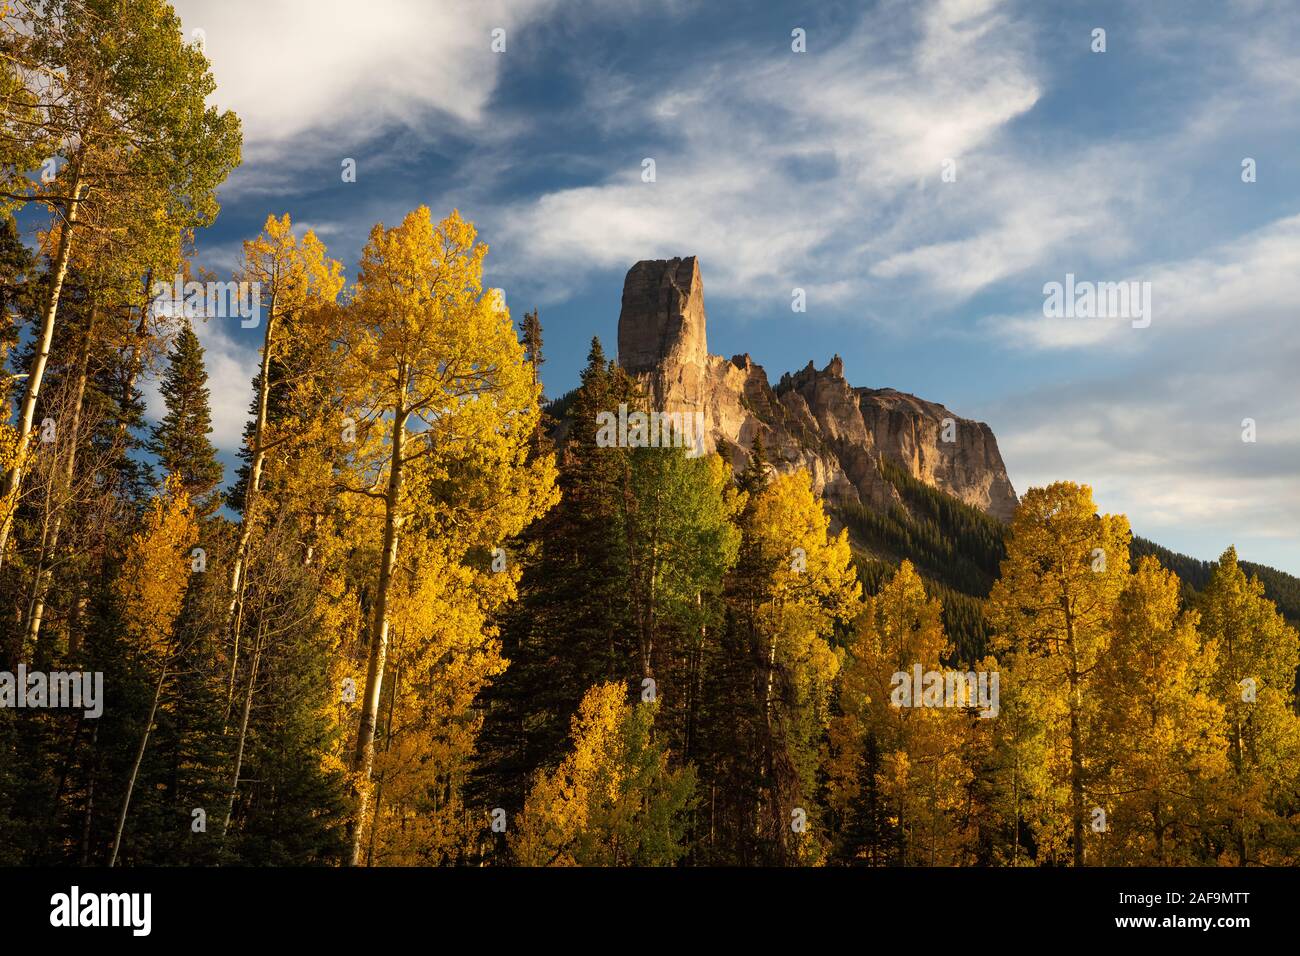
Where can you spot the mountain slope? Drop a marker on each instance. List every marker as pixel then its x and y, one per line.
pixel 958 550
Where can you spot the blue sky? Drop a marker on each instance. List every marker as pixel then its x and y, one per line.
pixel 822 171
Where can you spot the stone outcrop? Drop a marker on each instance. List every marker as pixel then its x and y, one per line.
pixel 664 303
pixel 812 419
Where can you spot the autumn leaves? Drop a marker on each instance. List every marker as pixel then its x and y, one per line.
pixel 449 410
pixel 1127 736
pixel 1131 723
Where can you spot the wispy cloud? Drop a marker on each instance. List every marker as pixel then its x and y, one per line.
pixel 1157 426
pixel 1254 278
pixel 764 163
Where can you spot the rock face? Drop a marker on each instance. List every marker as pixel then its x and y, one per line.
pixel 812 419
pixel 663 300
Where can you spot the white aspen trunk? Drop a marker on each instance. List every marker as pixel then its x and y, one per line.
pixel 243 733
pixel 254 470
pixel 364 758
pixel 59 271
pixel 50 546
pixel 135 768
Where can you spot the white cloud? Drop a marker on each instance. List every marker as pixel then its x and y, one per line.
pixel 776 157
pixel 295 65
pixel 1255 277
pixel 822 170
pixel 1156 427
pixel 344 70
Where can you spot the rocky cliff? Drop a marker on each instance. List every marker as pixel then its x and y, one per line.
pixel 812 419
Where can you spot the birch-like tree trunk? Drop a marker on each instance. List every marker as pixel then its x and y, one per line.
pixel 254 470
pixel 363 761
pixel 50 544
pixel 135 767
pixel 243 732
pixel 36 375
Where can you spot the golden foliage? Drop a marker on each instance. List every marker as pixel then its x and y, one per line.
pixel 613 800
pixel 156 570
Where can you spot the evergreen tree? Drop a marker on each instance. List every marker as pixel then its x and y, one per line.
pixel 180 440
pixel 865 836
pixel 756 474
pixel 570 628
pixel 531 329
pixel 16 295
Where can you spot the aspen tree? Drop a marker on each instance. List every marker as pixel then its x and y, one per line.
pixel 149 591
pixel 801 587
pixel 293 276
pixel 119 94
pixel 613 801
pixel 922 772
pixel 1052 609
pixel 1162 728
pixel 1258 654
pixel 433 366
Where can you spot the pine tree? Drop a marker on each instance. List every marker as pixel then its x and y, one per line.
pixel 179 440
pixel 865 835
pixel 756 474
pixel 531 329
pixel 570 629
pixel 16 293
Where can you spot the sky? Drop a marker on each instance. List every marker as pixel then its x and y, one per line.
pixel 922 170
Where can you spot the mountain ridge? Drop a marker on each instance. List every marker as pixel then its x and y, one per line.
pixel 877 456
pixel 812 419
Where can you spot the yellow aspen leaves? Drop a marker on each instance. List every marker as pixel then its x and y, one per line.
pixel 156 571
